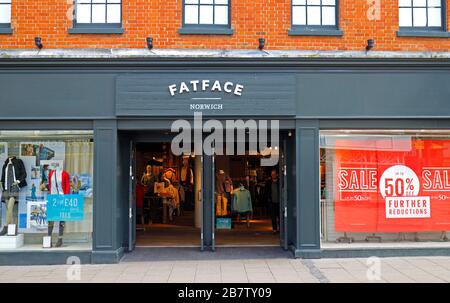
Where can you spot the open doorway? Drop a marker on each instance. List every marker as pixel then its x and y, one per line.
pixel 166 192
pixel 247 201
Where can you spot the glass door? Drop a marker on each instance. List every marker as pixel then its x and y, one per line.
pixel 132 199
pixel 284 196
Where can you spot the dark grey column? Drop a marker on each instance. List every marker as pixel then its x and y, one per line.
pixel 106 247
pixel 208 202
pixel 308 189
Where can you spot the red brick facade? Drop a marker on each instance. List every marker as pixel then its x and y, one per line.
pixel 250 20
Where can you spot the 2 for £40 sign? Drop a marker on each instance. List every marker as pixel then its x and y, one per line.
pixel 65 207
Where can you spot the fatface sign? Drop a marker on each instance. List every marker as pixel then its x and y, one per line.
pixel 205 86
pixel 225 93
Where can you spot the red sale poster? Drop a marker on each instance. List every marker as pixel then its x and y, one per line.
pixel 397 185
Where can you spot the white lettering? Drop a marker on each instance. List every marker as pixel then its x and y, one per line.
pixel 205 84
pixel 238 90
pixel 194 84
pixel 183 88
pixel 172 89
pixel 216 86
pixel 228 87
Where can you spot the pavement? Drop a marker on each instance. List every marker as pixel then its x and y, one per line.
pixel 236 265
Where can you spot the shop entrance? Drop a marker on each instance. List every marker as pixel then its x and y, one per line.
pixel 208 201
pixel 249 200
pixel 164 189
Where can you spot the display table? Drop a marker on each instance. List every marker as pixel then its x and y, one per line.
pixel 7 242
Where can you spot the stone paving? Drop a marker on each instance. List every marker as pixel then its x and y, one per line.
pixel 238 265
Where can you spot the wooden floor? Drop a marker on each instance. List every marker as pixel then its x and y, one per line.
pixel 182 233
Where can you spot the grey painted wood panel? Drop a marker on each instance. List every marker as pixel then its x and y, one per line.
pixel 262 94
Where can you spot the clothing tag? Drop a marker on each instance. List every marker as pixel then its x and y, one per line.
pixel 47 242
pixel 11 229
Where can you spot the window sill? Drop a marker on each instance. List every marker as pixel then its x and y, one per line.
pixel 427 34
pixel 6 30
pixel 315 32
pixel 97 30
pixel 205 31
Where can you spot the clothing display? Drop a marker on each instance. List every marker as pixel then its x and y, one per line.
pixel 58 184
pixel 242 201
pixel 13 178
pixel 171 199
pixel 16 173
pixel 221 205
pixel 187 175
pixel 187 183
pixel 146 179
pixel 220 183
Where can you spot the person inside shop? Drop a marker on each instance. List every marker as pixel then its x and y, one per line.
pixel 273 199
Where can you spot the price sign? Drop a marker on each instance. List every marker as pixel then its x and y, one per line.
pixel 65 208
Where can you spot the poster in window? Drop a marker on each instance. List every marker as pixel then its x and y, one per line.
pixel 49 150
pixel 392 185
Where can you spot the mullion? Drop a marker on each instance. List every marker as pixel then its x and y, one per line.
pixel 321 23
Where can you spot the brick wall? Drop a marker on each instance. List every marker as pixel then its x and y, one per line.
pixel 251 19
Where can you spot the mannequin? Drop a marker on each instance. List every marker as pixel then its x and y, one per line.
pixel 13 179
pixel 187 182
pixel 147 176
pixel 58 184
pixel 242 203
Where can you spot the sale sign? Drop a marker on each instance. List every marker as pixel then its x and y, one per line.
pixel 388 186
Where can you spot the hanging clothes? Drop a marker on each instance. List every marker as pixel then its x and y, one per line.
pixel 242 200
pixel 221 205
pixel 59 182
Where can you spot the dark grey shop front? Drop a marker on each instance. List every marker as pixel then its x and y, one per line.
pixel 124 100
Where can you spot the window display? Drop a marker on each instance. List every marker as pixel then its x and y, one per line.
pixel 46 182
pixel 385 186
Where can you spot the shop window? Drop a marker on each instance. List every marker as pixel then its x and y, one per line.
pixel 47 189
pixel 206 17
pixel 5 16
pixel 385 187
pixel 97 16
pixel 421 14
pixel 314 17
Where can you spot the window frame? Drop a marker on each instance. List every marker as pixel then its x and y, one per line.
pixel 96 28
pixel 217 29
pixel 326 29
pixel 442 28
pixel 5 28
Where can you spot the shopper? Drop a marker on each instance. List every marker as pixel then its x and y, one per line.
pixel 273 199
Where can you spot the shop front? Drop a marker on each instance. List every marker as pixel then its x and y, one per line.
pixel 326 158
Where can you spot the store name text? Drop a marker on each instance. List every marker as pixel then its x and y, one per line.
pixel 206 85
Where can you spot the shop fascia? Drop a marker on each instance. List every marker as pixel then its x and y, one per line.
pixel 206 85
